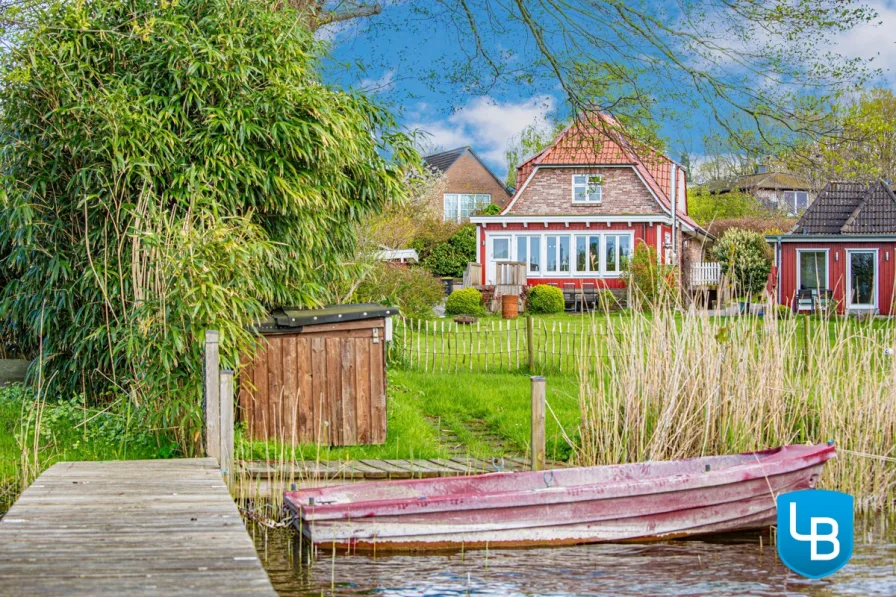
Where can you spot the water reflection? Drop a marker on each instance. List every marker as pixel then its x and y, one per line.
pixel 745 565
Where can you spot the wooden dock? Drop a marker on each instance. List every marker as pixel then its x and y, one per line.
pixel 150 527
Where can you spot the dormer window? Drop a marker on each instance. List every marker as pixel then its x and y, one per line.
pixel 587 188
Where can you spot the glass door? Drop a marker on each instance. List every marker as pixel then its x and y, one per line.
pixel 498 250
pixel 861 279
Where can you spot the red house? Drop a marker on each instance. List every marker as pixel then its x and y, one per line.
pixel 842 249
pixel 583 204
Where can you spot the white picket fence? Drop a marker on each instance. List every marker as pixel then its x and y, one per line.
pixel 705 273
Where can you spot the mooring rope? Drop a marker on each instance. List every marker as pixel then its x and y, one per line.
pixel 866 455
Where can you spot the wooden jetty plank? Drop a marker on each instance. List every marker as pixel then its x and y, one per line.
pixel 394 471
pixel 164 527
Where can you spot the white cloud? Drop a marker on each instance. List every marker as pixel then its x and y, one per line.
pixel 487 125
pixel 874 40
pixel 383 83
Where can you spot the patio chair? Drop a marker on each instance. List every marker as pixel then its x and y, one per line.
pixel 805 300
pixel 570 299
pixel 825 299
pixel 589 295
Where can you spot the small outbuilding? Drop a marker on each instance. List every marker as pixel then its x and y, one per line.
pixel 319 376
pixel 842 251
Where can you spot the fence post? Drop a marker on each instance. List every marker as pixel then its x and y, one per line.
pixel 530 341
pixel 538 416
pixel 226 459
pixel 212 395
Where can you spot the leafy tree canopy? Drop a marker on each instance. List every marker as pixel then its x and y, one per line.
pixel 170 167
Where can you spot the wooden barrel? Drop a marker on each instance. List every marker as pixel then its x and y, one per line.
pixel 509 306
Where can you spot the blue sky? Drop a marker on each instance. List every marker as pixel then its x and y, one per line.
pixel 398 44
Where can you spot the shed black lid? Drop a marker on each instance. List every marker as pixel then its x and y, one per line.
pixel 291 317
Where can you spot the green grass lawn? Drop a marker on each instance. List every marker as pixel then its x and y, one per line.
pixel 426 409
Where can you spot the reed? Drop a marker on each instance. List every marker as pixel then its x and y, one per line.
pixel 677 383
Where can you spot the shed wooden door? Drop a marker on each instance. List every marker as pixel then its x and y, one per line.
pixel 325 383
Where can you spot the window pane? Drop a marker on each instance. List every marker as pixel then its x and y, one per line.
pixel 534 254
pixel 625 251
pixel 521 243
pixel 813 274
pixel 611 253
pixel 551 265
pixel 450 207
pixel 501 248
pixel 467 206
pixel 594 188
pixel 564 253
pixel 861 278
pixel 802 200
pixel 581 254
pixel 594 253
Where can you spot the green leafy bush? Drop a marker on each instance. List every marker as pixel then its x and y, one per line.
pixel 606 300
pixel 412 289
pixel 450 258
pixel 183 169
pixel 490 210
pixel 466 301
pixel 745 258
pixel 546 299
pixel 650 282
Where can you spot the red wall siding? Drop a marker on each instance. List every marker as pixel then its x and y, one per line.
pixel 886 270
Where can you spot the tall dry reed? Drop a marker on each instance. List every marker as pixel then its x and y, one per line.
pixel 675 383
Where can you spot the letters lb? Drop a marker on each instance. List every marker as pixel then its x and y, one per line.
pixel 815 533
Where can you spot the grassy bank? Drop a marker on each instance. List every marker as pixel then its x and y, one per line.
pixel 35 434
pixel 436 415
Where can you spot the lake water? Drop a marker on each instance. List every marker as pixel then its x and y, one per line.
pixel 744 565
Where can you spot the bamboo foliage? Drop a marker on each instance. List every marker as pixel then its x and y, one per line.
pixel 169 168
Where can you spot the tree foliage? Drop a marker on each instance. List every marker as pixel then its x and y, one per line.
pixel 530 141
pixel 763 71
pixel 706 208
pixel 863 148
pixel 450 258
pixel 410 288
pixel 169 168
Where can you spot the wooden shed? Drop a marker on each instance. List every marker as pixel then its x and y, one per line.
pixel 319 377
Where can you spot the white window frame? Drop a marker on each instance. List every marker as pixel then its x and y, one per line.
pixel 593 198
pixel 479 201
pixel 792 203
pixel 799 268
pixel 860 306
pixel 574 269
pixel 631 243
pixel 558 235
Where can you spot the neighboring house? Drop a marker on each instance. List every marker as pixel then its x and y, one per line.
pixel 842 248
pixel 402 256
pixel 776 190
pixel 583 204
pixel 468 184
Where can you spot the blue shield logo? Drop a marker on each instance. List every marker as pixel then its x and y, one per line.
pixel 815 533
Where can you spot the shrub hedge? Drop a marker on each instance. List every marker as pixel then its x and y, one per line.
pixel 546 299
pixel 466 301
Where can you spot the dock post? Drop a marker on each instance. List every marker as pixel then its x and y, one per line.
pixel 226 422
pixel 538 416
pixel 530 342
pixel 212 396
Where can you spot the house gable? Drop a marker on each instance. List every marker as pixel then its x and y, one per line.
pixel 550 192
pixel 467 174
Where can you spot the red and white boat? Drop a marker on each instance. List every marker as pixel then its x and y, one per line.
pixel 631 502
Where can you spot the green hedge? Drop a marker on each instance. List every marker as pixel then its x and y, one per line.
pixel 466 301
pixel 546 299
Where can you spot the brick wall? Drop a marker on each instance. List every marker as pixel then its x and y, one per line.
pixel 550 193
pixel 468 175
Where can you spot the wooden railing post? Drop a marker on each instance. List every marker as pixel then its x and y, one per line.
pixel 226 459
pixel 212 395
pixel 538 416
